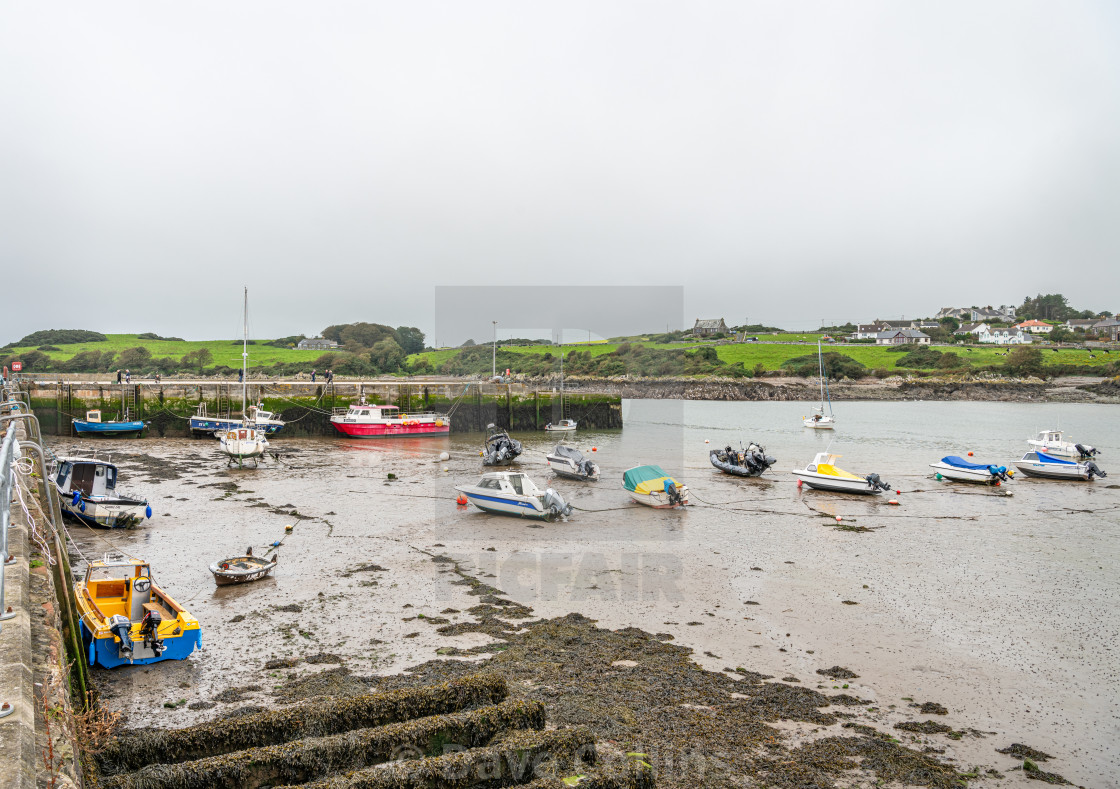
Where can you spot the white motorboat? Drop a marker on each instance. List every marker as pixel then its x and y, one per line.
pixel 569 462
pixel 1054 443
pixel 820 420
pixel 651 486
pixel 957 468
pixel 243 443
pixel 1046 466
pixel 822 474
pixel 87 491
pixel 513 493
pixel 563 426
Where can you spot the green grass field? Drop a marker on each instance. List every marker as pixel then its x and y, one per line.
pixel 771 355
pixel 224 351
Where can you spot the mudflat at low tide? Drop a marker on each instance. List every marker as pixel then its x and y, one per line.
pixel 751 635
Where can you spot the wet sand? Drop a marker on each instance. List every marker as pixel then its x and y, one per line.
pixel 1001 608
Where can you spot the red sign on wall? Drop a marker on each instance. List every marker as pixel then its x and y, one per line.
pixel 17 366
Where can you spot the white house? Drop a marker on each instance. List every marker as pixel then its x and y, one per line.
pixel 1005 337
pixel 901 336
pixel 866 331
pixel 1034 327
pixel 996 314
pixel 975 329
pixel 1082 324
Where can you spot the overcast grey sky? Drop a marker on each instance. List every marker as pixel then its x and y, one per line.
pixel 785 162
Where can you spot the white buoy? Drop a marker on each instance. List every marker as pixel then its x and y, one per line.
pixel 444 456
pixel 838 519
pixel 445 468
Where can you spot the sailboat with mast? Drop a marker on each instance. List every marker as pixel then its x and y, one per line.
pixel 564 425
pixel 820 420
pixel 245 441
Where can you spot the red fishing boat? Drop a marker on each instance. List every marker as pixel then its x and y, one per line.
pixel 380 421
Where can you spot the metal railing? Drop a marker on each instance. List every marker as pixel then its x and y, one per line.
pixel 7 456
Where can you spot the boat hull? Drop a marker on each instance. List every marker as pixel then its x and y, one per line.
pixel 210 425
pixel 106 515
pixel 109 429
pixel 822 424
pixel 1051 471
pixel 957 474
pixel 567 473
pixel 105 652
pixel 235 574
pixel 522 507
pixel 657 501
pixel 359 430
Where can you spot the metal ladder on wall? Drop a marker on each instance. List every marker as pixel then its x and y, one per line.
pixel 223 401
pixel 129 402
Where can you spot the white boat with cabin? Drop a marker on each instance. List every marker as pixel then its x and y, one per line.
pixel 513 493
pixel 1055 444
pixel 823 474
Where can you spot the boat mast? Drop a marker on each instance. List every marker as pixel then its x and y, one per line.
pixel 820 367
pixel 245 358
pixel 561 378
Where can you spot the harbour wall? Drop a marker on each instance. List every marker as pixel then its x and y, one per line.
pixel 306 406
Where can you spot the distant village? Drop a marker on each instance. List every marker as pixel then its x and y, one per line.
pixel 988 325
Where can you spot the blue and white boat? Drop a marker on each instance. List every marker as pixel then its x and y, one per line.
pixel 957 468
pixel 93 426
pixel 88 492
pixel 260 420
pixel 1040 464
pixel 513 493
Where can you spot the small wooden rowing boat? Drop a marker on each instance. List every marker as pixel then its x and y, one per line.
pixel 242 569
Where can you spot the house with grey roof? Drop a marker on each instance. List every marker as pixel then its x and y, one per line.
pixel 317 344
pixel 709 326
pixel 901 337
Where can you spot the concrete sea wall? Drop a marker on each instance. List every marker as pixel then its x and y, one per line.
pixel 306 406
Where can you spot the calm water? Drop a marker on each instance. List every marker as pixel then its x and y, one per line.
pixel 1004 608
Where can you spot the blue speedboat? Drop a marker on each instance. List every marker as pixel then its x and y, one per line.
pixel 93 426
pixel 88 492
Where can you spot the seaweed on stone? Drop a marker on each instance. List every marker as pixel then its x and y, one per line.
pixel 317 757
pixel 132 750
pixel 517 759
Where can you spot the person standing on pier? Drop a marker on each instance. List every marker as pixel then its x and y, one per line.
pixel 312 376
pixel 240 376
pixel 118 376
pixel 128 376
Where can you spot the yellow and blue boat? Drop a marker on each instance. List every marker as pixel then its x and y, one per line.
pixel 650 485
pixel 127 619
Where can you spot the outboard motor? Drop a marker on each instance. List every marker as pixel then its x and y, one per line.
pixel 999 472
pixel 674 492
pixel 875 483
pixel 121 627
pixel 1094 470
pixel 1085 451
pixel 555 504
pixel 149 631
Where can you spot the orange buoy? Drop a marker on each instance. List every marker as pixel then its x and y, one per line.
pixel 799 483
pixel 970 454
pixel 594 449
pixel 838 519
pixel 893 501
pixel 461 500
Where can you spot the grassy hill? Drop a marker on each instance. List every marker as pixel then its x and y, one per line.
pixel 225 352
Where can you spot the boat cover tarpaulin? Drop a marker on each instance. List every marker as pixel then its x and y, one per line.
pixel 646 479
pixel 959 462
pixel 568 452
pixel 1044 458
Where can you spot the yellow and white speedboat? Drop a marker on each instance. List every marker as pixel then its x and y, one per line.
pixel 126 618
pixel 822 474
